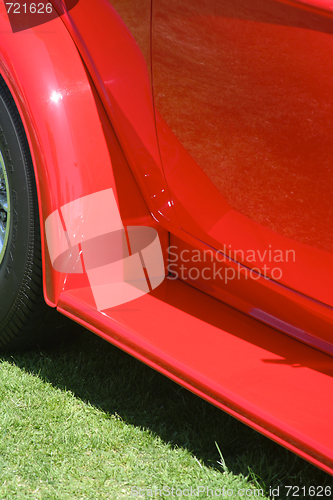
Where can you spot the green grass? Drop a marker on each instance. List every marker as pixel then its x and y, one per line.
pixel 86 421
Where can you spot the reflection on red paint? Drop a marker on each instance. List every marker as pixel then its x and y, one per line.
pixel 247 88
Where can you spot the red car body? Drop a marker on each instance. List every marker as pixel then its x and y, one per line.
pixel 211 123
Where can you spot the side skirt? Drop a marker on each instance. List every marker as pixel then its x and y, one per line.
pixel 271 382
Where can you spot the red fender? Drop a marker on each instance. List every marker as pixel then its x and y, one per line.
pixel 64 123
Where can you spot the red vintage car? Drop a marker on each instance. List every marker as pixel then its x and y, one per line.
pixel 166 181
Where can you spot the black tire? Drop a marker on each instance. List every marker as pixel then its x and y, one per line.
pixel 23 312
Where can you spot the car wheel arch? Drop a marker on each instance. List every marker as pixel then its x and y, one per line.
pixel 55 100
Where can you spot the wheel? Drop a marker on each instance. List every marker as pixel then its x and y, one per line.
pixel 23 311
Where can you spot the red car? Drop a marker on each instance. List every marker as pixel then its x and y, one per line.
pixel 166 181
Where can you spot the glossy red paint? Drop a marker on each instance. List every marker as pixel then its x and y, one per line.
pixel 272 382
pixel 262 137
pixel 136 15
pixel 124 87
pixel 249 292
pixel 262 140
pixel 55 100
pixel 324 7
pixel 199 205
pixel 269 381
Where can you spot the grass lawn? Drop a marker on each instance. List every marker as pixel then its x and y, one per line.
pixel 86 421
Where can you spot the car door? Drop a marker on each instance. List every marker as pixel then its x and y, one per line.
pixel 243 92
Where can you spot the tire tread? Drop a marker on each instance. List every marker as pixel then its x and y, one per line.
pixel 29 321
